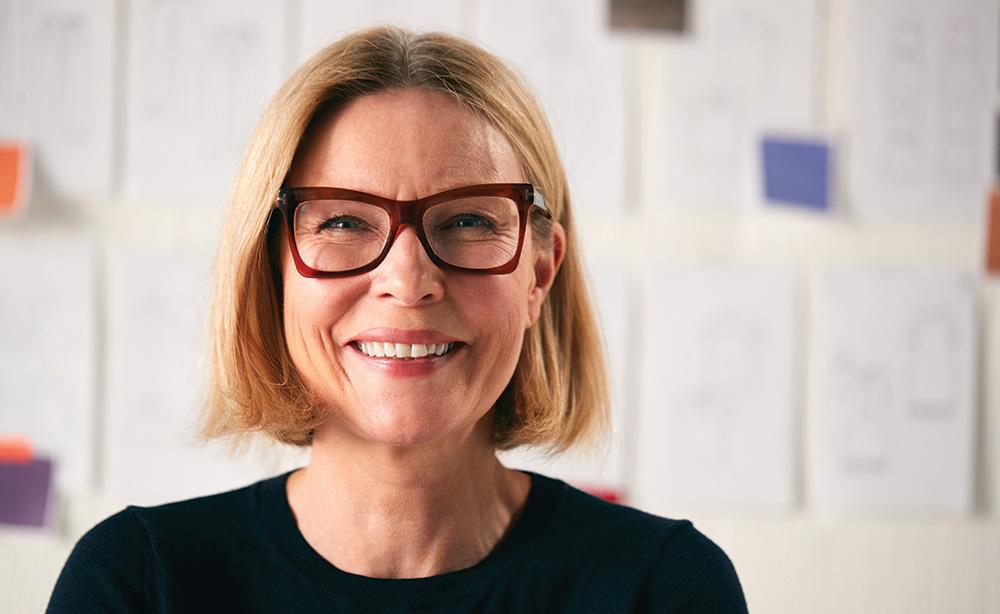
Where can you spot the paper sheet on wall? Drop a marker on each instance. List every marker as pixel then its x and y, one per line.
pixel 716 429
pixel 156 372
pixel 200 74
pixel 57 61
pixel 577 71
pixel 748 67
pixel 323 22
pixel 47 350
pixel 916 96
pixel 603 469
pixel 893 391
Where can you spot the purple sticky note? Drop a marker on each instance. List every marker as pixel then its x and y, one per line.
pixel 24 491
pixel 797 172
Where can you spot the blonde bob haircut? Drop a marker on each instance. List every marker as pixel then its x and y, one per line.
pixel 558 393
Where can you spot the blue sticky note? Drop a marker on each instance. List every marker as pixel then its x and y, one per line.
pixel 797 172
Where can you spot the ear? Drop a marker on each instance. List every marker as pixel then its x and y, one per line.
pixel 547 263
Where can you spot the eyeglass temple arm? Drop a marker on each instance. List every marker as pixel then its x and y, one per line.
pixel 539 201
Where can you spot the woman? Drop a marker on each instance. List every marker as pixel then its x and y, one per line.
pixel 394 290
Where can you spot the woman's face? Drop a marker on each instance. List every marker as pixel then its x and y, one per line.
pixel 405 145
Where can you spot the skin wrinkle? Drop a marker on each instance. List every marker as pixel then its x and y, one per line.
pixel 403 480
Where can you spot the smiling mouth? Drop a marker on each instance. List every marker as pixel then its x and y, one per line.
pixel 403 351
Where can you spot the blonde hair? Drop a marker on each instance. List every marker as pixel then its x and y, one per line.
pixel 558 394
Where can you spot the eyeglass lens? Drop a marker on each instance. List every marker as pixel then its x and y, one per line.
pixel 478 232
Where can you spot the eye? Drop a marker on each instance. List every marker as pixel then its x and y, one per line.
pixel 471 220
pixel 341 223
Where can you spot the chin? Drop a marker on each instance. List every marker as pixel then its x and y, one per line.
pixel 410 426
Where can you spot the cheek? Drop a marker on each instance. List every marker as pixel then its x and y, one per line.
pixel 497 306
pixel 312 308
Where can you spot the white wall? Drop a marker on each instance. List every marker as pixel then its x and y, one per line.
pixel 795 560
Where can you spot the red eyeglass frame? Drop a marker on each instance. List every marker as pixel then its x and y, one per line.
pixel 402 212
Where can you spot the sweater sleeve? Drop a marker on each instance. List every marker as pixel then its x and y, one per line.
pixel 694 575
pixel 108 570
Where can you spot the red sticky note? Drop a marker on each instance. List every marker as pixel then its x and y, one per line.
pixel 14 177
pixel 612 495
pixel 993 233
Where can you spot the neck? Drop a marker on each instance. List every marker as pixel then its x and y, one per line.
pixel 410 511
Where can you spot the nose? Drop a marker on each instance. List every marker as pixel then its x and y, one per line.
pixel 407 275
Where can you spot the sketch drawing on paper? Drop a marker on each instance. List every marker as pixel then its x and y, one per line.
pixel 15 337
pixel 903 106
pixel 162 386
pixel 14 54
pixel 742 50
pixel 913 55
pixel 932 365
pixel 167 95
pixel 959 78
pixel 862 411
pixel 29 377
pixel 746 48
pixel 46 350
pixel 64 55
pixel 721 388
pixel 715 119
pixel 561 52
pixel 235 52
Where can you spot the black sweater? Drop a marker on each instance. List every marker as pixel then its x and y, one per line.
pixel 241 551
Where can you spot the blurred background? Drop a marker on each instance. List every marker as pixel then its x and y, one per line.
pixel 786 211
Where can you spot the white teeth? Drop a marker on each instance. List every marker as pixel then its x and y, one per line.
pixel 403 350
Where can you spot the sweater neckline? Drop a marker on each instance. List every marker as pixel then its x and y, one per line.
pixel 293 548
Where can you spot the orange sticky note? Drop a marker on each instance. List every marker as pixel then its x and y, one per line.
pixel 14 177
pixel 15 449
pixel 993 233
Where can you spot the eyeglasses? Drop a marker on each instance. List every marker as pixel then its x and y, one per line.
pixel 334 232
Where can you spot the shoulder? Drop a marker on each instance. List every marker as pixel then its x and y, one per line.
pixel 117 564
pixel 692 573
pixel 107 570
pixel 579 512
pixel 204 531
pixel 679 568
pixel 231 508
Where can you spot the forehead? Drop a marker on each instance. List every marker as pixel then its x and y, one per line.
pixel 403 144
